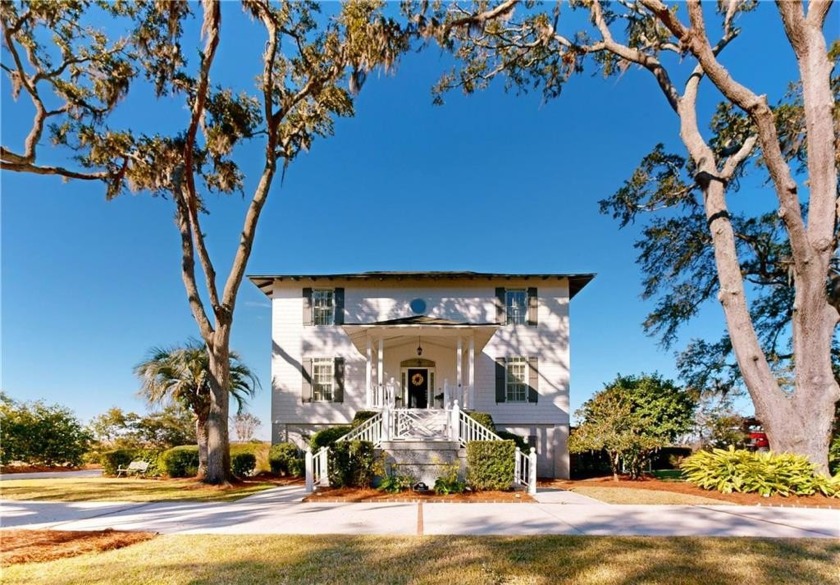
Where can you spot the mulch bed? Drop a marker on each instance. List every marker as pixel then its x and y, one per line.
pixel 682 487
pixel 36 546
pixel 355 495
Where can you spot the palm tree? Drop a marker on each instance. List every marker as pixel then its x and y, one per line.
pixel 181 374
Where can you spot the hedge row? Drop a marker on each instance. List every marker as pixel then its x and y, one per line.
pixel 176 462
pixel 490 464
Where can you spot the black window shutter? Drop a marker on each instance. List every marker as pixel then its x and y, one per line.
pixel 307 306
pixel 338 373
pixel 500 306
pixel 533 379
pixel 306 385
pixel 339 306
pixel 533 307
pixel 501 380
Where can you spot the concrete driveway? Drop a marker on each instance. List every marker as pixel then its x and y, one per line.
pixel 279 511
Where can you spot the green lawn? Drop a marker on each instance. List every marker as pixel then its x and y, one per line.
pixel 622 495
pixel 122 490
pixel 207 560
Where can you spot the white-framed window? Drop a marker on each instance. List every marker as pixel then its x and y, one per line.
pixel 323 307
pixel 516 380
pixel 323 380
pixel 516 306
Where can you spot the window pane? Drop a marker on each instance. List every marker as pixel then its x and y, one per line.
pixel 322 380
pixel 516 304
pixel 517 379
pixel 322 307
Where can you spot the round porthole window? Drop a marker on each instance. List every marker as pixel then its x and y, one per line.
pixel 418 306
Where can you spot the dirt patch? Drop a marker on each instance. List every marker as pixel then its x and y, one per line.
pixel 36 546
pixel 351 495
pixel 682 487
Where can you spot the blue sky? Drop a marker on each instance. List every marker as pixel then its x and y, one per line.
pixel 492 182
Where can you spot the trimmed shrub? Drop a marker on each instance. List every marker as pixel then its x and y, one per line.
pixel 520 441
pixel 484 418
pixel 351 464
pixel 286 459
pixel 180 461
pixel 243 464
pixel 361 416
pixel 490 464
pixel 259 450
pixel 834 456
pixel 111 461
pixel 328 436
pixel 742 471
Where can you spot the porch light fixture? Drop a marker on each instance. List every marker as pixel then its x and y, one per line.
pixel 419 347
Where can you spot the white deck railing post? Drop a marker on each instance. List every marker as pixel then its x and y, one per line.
pixel 455 422
pixel 310 471
pixel 517 466
pixel 532 472
pixel 325 476
pixel 386 422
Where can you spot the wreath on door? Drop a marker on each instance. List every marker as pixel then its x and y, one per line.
pixel 417 379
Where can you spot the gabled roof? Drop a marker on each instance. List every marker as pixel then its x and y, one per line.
pixel 265 282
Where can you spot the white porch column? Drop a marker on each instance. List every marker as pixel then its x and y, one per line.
pixel 459 375
pixel 368 374
pixel 471 374
pixel 380 368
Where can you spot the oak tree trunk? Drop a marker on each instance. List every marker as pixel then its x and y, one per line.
pixel 201 439
pixel 218 454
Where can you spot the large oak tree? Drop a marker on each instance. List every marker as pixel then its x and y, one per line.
pixel 774 275
pixel 73 75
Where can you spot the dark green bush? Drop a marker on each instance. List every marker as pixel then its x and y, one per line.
pixel 286 459
pixel 243 464
pixel 520 441
pixel 362 416
pixel 734 470
pixel 351 463
pixel 111 461
pixel 834 456
pixel 490 464
pixel 40 434
pixel 395 481
pixel 328 436
pixel 179 461
pixel 484 418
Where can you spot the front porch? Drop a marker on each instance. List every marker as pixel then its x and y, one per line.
pixel 419 362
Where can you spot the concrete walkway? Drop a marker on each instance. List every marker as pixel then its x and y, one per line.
pixel 279 511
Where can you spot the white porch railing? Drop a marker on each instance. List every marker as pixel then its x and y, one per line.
pixel 525 470
pixel 316 468
pixel 464 428
pixel 370 430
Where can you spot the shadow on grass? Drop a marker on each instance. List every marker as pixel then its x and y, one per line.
pixel 209 560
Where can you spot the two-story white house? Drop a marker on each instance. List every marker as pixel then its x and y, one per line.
pixel 496 343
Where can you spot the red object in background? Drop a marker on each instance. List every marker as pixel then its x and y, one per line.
pixel 758 438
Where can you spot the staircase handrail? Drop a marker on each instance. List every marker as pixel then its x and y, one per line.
pixel 525 470
pixel 317 473
pixel 370 430
pixel 470 429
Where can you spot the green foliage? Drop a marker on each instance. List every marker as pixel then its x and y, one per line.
pixel 286 459
pixel 179 461
pixel 361 416
pixel 40 434
pixel 449 482
pixel 484 418
pixel 520 441
pixel 351 463
pixel 328 436
pixel 111 461
pixel 631 418
pixel 395 481
pixel 490 464
pixel 834 456
pixel 243 464
pixel 733 470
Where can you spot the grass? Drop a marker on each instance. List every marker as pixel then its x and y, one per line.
pixel 622 495
pixel 123 490
pixel 212 559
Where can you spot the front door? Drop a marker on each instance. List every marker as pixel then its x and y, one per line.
pixel 418 387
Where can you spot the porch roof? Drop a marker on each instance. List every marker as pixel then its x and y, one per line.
pixel 441 332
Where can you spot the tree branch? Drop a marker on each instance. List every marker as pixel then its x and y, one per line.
pixel 25 167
